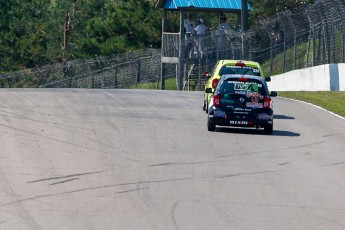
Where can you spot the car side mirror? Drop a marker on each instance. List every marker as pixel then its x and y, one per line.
pixel 267 79
pixel 208 90
pixel 273 94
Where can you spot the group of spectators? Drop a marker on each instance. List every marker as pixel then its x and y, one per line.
pixel 191 29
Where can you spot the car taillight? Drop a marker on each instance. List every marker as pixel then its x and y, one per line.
pixel 214 83
pixel 267 102
pixel 216 100
pixel 243 79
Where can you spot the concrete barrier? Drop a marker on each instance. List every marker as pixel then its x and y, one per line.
pixel 330 77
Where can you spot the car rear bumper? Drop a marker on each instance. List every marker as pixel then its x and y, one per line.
pixel 260 119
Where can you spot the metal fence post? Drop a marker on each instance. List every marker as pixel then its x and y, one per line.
pixel 311 31
pixel 288 13
pixel 325 40
pixel 271 56
pixel 115 78
pixel 162 77
pixel 341 8
pixel 138 71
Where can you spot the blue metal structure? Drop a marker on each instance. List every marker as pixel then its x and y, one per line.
pixel 221 5
pixel 175 46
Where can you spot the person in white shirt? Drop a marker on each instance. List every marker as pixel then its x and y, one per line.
pixel 200 31
pixel 189 25
pixel 222 30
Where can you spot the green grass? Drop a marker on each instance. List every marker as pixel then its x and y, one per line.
pixel 332 101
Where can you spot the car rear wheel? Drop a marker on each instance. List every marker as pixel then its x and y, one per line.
pixel 210 125
pixel 268 129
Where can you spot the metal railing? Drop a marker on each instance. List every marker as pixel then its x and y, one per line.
pixel 118 71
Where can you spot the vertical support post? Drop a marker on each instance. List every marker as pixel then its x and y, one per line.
pixel 164 26
pixel 311 31
pixel 288 12
pixel 242 51
pixel 244 15
pixel 314 47
pixel 199 74
pixel 115 78
pixel 138 71
pixel 271 57
pixel 179 74
pixel 325 37
pixel 341 10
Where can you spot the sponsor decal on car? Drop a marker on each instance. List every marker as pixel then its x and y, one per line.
pixel 238 122
pixel 249 95
pixel 227 101
pixel 242 110
pixel 254 105
pixel 255 99
pixel 263 116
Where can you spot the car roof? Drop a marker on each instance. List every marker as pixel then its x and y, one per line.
pixel 229 61
pixel 230 76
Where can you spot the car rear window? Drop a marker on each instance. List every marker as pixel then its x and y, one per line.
pixel 248 87
pixel 243 70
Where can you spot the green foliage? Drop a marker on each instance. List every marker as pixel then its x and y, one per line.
pixel 268 8
pixel 40 32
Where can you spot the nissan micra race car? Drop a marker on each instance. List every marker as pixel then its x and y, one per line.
pixel 229 67
pixel 242 101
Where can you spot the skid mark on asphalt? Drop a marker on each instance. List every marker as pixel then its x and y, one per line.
pixel 65 142
pixel 133 190
pixel 273 150
pixel 90 189
pixel 61 182
pixel 184 163
pixel 338 163
pixel 63 177
pixel 245 174
pixel 13 115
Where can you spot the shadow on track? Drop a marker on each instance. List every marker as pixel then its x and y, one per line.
pixel 283 117
pixel 253 131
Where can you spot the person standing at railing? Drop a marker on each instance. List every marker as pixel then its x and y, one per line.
pixel 200 31
pixel 189 25
pixel 221 41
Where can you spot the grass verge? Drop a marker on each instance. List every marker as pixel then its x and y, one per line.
pixel 331 101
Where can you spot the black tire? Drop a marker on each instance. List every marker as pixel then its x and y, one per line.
pixel 206 109
pixel 268 129
pixel 210 125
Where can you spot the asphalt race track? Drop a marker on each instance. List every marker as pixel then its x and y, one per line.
pixel 140 159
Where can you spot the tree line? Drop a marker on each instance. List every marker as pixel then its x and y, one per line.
pixel 40 32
